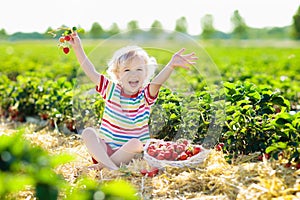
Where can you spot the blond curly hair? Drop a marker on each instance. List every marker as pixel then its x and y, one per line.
pixel 124 56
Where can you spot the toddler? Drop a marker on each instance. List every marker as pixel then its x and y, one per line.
pixel 128 96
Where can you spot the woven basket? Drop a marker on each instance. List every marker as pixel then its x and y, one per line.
pixel 191 162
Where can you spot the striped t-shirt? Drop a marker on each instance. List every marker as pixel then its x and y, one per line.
pixel 125 117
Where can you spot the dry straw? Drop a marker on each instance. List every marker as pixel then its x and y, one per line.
pixel 213 178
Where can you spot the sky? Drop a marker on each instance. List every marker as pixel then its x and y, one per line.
pixel 38 15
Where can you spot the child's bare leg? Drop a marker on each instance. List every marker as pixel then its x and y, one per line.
pixel 126 153
pixel 97 148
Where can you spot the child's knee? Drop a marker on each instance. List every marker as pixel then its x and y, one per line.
pixel 136 143
pixel 88 132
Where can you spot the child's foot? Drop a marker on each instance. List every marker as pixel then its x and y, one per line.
pixel 97 166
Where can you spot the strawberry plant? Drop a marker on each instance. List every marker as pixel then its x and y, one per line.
pixel 165 115
pixel 26 93
pixel 87 110
pixel 23 166
pixel 7 88
pixel 250 111
pixel 286 141
pixel 37 97
pixel 253 114
pixel 27 166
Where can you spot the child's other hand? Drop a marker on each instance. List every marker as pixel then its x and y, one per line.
pixel 183 60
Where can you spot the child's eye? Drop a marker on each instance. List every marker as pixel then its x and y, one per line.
pixel 139 69
pixel 126 70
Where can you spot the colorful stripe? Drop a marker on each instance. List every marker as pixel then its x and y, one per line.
pixel 124 118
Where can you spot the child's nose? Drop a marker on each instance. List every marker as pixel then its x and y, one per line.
pixel 133 73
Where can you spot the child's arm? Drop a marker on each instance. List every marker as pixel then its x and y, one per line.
pixel 178 60
pixel 82 58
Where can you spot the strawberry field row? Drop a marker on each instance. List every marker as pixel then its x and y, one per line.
pixel 250 118
pixel 255 109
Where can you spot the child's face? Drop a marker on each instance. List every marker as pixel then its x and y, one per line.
pixel 132 76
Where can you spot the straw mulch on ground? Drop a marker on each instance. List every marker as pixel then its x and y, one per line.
pixel 245 178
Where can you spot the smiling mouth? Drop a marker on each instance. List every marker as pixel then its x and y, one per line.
pixel 133 83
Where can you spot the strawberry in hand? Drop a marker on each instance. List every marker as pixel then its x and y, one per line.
pixel 65 37
pixel 66 50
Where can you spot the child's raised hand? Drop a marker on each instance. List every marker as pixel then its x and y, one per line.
pixel 75 40
pixel 183 60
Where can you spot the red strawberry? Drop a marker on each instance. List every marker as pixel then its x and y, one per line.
pixel 170 148
pixel 168 144
pixel 298 166
pixel 152 146
pixel 179 149
pixel 185 142
pixel 152 152
pixel 67 38
pixel 219 147
pixel 144 172
pixel 160 156
pixel 196 150
pixel 154 171
pixel 267 156
pixel 66 50
pixel 183 156
pixel 174 155
pixel 162 144
pixel 287 165
pixel 174 146
pixel 168 155
pixel 44 116
pixel 189 153
pixel 183 146
pixel 70 125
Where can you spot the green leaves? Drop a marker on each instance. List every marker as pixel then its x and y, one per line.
pixel 257 120
pixel 119 189
pixel 283 119
pixel 23 165
pixel 87 188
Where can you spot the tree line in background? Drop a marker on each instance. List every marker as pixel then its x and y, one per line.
pixel 240 30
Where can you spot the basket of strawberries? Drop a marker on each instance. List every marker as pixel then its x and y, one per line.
pixel 182 153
